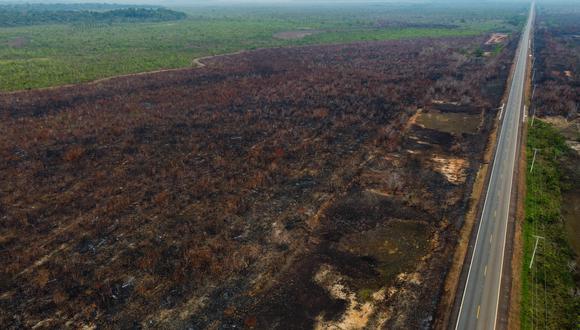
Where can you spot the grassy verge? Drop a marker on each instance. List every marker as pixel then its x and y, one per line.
pixel 548 287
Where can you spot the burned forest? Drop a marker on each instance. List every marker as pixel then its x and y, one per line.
pixel 284 188
pixel 556 77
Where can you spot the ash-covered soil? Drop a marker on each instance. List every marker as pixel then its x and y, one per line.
pixel 279 189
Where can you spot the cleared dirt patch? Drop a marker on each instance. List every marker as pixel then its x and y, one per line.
pixel 452 168
pixel 496 38
pixel 357 313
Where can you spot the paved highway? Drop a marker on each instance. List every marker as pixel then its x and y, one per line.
pixel 480 300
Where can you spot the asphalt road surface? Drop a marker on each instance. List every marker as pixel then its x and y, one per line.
pixel 480 300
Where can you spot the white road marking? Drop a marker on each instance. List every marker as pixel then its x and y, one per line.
pixel 530 22
pixel 493 168
pixel 515 93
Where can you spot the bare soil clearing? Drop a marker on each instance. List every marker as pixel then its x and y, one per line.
pixel 497 38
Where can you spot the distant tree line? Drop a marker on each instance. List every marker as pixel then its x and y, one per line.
pixel 69 6
pixel 26 15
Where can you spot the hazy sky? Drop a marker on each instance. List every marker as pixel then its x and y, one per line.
pixel 171 2
pixel 218 2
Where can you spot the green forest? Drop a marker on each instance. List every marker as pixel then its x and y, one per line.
pixel 21 16
pixel 100 40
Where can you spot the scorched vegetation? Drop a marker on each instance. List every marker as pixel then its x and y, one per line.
pixel 280 188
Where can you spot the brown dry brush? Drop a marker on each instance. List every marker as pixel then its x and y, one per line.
pixel 124 198
pixel 557 79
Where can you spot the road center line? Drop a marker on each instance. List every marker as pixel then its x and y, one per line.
pixel 503 166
